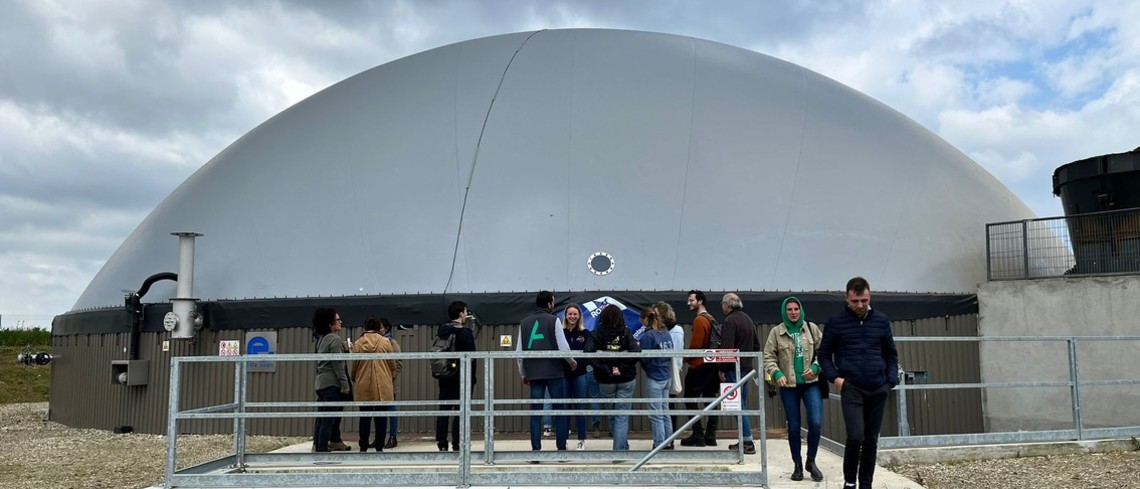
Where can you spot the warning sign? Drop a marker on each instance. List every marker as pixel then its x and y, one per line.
pixel 505 341
pixel 229 348
pixel 712 356
pixel 732 402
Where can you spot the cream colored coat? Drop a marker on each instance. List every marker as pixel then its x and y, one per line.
pixel 374 380
pixel 780 351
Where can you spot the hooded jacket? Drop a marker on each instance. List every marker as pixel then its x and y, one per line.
pixel 612 338
pixel 780 348
pixel 374 380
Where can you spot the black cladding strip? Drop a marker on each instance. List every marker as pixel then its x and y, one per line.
pixel 493 308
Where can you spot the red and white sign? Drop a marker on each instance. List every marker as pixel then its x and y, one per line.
pixel 711 356
pixel 732 402
pixel 229 348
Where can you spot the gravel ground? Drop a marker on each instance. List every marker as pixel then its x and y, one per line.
pixel 1088 471
pixel 37 454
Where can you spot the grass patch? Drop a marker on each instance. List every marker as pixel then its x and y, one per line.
pixel 37 337
pixel 19 383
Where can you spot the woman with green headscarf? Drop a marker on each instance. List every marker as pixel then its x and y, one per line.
pixel 790 363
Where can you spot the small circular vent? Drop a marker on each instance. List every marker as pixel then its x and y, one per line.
pixel 600 263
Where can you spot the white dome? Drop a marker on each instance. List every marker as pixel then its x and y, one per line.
pixel 503 163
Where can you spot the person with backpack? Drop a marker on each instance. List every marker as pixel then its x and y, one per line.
pixel 542 331
pixel 374 380
pixel 738 332
pixel 617 377
pixel 702 379
pixel 789 360
pixel 458 338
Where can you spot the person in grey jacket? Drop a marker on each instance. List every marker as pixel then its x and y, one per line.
pixel 739 332
pixel 331 383
pixel 542 331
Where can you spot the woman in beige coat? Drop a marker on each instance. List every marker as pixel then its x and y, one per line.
pixel 790 363
pixel 374 380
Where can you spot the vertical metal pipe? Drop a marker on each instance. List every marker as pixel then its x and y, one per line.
pixel 904 422
pixel 764 426
pixel 1025 247
pixel 240 424
pixel 1075 388
pixel 172 418
pixel 465 362
pixel 989 255
pixel 489 411
pixel 740 414
pixel 184 302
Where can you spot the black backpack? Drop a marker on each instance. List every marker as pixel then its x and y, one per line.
pixel 716 332
pixel 444 368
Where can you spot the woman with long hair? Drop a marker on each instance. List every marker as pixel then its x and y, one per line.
pixel 669 317
pixel 331 383
pixel 658 373
pixel 616 377
pixel 576 335
pixel 790 363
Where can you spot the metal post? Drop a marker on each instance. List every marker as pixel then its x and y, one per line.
pixel 171 418
pixel 489 412
pixel 241 374
pixel 465 363
pixel 989 255
pixel 740 416
pixel 763 424
pixel 1025 247
pixel 1075 388
pixel 904 422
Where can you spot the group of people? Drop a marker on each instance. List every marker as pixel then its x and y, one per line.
pixel 855 352
pixel 360 380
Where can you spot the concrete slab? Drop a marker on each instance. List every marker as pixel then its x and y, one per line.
pixel 779 463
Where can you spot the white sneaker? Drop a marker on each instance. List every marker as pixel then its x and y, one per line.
pixel 581 444
pixel 547 432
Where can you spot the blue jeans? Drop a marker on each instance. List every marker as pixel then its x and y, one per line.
pixel 576 387
pixel 594 393
pixel 812 400
pixel 539 389
pixel 659 424
pixel 745 423
pixel 393 424
pixel 619 423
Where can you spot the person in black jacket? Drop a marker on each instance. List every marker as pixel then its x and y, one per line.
pixel 449 388
pixel 858 355
pixel 542 331
pixel 739 332
pixel 616 377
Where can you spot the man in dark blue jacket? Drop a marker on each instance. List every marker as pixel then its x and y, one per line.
pixel 542 331
pixel 858 355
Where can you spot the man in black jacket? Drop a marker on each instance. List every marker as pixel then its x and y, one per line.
pixel 739 332
pixel 858 355
pixel 449 388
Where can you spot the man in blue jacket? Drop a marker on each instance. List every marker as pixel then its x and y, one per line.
pixel 858 355
pixel 542 331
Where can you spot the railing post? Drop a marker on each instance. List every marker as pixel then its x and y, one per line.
pixel 1075 388
pixel 904 422
pixel 172 418
pixel 989 255
pixel 240 396
pixel 465 373
pixel 489 411
pixel 1025 247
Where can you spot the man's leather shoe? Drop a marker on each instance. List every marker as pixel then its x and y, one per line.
pixel 339 446
pixel 798 473
pixel 693 441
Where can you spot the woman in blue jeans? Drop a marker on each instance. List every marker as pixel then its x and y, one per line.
pixel 658 373
pixel 790 363
pixel 616 377
pixel 576 335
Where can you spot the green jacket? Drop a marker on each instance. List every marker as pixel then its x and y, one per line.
pixel 332 372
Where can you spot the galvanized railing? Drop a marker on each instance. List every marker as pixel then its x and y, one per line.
pixel 1096 243
pixel 1079 430
pixel 243 469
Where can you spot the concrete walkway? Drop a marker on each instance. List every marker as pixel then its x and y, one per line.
pixel 779 462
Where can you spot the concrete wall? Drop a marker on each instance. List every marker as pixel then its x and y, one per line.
pixel 1084 306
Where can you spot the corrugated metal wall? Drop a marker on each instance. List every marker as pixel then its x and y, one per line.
pixel 82 394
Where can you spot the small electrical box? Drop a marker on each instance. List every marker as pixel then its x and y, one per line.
pixel 130 372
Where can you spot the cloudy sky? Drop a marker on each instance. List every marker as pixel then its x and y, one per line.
pixel 106 106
